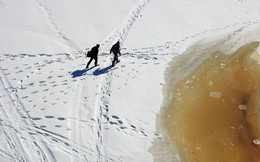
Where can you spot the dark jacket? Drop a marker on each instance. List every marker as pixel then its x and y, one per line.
pixel 115 49
pixel 94 51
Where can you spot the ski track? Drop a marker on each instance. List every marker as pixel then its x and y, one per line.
pixel 54 140
pixel 18 130
pixel 76 124
pixel 12 139
pixel 18 110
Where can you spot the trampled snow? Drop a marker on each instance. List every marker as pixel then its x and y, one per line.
pixel 53 109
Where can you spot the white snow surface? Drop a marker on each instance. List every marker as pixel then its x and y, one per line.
pixel 53 109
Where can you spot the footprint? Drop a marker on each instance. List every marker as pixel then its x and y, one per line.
pixel 115 117
pixel 111 122
pixel 61 118
pixel 19 71
pixel 40 82
pixel 24 97
pixel 106 117
pixel 31 84
pixel 34 92
pixel 122 127
pixel 144 133
pixel 36 118
pixel 67 144
pixel 49 116
pixel 120 122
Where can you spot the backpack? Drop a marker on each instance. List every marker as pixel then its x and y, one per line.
pixel 89 54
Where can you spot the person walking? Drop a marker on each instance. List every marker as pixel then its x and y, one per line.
pixel 115 50
pixel 93 55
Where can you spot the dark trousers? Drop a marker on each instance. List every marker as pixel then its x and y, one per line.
pixel 115 60
pixel 92 58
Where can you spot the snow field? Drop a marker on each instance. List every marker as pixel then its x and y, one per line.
pixel 52 109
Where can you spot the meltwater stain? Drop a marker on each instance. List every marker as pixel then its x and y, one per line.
pixel 214 113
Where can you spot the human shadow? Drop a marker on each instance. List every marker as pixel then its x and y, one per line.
pixel 102 71
pixel 78 73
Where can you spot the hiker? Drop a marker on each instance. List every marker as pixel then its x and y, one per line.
pixel 93 55
pixel 115 50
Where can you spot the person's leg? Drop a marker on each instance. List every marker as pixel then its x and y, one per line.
pixel 113 62
pixel 96 61
pixel 89 62
pixel 116 59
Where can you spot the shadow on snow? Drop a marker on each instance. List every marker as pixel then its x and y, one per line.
pixel 102 71
pixel 78 73
pixel 99 71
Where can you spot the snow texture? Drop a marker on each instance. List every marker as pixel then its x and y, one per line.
pixel 53 109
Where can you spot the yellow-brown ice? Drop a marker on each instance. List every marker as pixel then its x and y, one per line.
pixel 214 113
